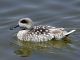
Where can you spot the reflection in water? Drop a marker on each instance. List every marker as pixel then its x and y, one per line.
pixel 26 48
pixel 23 51
pixel 59 13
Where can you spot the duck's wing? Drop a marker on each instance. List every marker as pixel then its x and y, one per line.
pixel 60 33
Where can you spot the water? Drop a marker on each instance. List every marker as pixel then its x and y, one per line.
pixel 59 13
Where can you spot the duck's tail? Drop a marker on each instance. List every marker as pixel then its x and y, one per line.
pixel 70 32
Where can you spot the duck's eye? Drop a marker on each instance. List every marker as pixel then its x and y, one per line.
pixel 24 21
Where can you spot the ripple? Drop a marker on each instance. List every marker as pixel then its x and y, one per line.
pixel 59 13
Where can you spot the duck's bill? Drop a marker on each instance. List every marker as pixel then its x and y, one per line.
pixel 16 26
pixel 13 27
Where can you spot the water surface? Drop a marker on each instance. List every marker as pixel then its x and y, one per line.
pixel 59 13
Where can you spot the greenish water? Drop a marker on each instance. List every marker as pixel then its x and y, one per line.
pixel 59 13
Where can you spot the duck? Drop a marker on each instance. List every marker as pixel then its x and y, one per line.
pixel 39 33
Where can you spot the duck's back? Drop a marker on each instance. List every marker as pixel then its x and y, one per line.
pixel 37 34
pixel 42 33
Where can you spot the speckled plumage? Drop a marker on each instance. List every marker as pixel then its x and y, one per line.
pixel 40 32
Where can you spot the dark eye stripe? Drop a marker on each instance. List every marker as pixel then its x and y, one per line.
pixel 24 21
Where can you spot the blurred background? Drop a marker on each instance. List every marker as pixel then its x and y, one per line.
pixel 59 13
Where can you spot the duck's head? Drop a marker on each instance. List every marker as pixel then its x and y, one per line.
pixel 25 23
